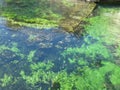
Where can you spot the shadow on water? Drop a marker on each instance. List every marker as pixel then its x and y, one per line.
pixel 109 4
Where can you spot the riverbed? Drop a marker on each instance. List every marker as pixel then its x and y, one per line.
pixel 53 59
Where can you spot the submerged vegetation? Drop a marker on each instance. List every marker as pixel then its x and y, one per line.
pixel 32 11
pixel 84 78
pixel 6 80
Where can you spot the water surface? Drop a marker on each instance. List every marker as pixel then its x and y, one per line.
pixel 38 59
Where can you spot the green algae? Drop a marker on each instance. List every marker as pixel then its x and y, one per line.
pixel 41 65
pixel 12 48
pixel 2 48
pixel 46 14
pixel 31 55
pixel 91 79
pixel 88 79
pixel 43 23
pixel 118 51
pixel 98 28
pixel 104 26
pixel 92 53
pixel 22 13
pixel 40 73
pixel 6 80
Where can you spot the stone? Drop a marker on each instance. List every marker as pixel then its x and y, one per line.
pixel 74 15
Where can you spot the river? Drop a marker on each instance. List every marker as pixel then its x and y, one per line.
pixel 49 59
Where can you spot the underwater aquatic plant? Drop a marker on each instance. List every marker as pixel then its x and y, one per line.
pixel 12 48
pixel 40 73
pixel 118 51
pixel 31 55
pixel 115 77
pixel 2 48
pixel 92 53
pixel 37 13
pixel 91 79
pixel 6 80
pixel 98 28
pixel 87 79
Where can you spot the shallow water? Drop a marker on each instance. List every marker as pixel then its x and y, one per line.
pixel 47 44
pixel 47 41
pixel 33 59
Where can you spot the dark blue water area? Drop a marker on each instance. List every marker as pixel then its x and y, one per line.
pixel 48 43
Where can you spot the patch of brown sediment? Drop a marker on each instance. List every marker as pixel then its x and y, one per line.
pixel 75 14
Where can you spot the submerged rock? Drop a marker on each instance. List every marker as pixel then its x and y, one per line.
pixel 74 15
